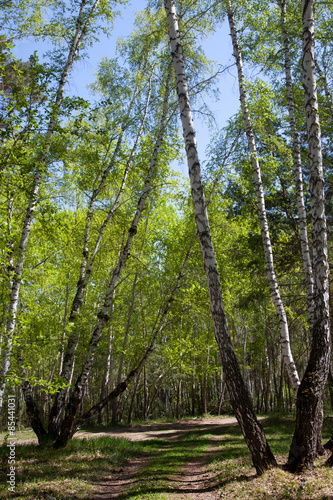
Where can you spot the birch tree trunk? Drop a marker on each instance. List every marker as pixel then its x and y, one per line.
pixel 103 316
pixel 80 32
pixel 309 398
pixel 70 426
pixel 255 438
pixel 306 257
pixel 271 276
pixel 88 261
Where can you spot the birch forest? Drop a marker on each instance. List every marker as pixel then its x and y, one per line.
pixel 133 293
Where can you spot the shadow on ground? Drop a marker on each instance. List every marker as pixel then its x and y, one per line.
pixel 181 462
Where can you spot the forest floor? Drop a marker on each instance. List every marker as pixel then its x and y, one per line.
pixel 197 459
pixel 193 482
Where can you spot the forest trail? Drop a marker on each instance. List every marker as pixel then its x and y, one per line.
pixel 172 430
pixel 178 476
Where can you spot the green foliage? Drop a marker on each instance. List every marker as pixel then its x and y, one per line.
pixel 119 130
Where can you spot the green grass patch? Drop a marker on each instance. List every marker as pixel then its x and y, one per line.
pixel 27 433
pixel 65 473
pixel 168 459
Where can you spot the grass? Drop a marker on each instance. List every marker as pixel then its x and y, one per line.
pixel 208 458
pixel 66 473
pixel 235 478
pixel 167 458
pixel 20 434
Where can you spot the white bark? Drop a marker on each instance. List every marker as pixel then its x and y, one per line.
pixel 303 449
pixel 306 257
pixel 270 271
pixel 319 231
pixel 253 433
pixel 81 29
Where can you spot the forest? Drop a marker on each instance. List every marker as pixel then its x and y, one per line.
pixel 132 293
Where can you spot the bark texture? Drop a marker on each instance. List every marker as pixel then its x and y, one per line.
pixel 261 454
pixel 306 257
pixel 270 271
pixel 309 398
pixel 33 413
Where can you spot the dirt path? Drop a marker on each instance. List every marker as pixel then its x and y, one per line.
pixel 193 483
pixel 173 430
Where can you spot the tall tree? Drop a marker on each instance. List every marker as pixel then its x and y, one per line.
pixel 297 165
pixel 83 19
pixel 309 398
pixel 271 275
pixel 262 456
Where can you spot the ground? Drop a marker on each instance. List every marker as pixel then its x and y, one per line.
pixel 196 459
pixel 192 483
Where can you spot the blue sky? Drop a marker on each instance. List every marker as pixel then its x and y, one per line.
pixel 218 48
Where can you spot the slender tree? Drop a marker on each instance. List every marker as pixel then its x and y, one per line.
pixel 297 164
pixel 262 456
pixel 83 21
pixel 87 260
pixel 309 398
pixel 271 276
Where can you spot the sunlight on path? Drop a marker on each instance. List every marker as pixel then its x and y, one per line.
pixel 174 465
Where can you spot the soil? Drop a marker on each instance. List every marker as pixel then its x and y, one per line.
pixel 193 483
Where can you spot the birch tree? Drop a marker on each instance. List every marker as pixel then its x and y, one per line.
pixel 161 120
pixel 271 276
pixel 84 18
pixel 309 398
pixel 88 256
pixel 297 166
pixel 262 456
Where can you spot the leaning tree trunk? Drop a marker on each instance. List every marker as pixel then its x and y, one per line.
pixel 309 398
pixel 82 24
pixel 271 276
pixel 254 435
pixel 306 257
pixel 304 241
pixel 103 316
pixel 87 260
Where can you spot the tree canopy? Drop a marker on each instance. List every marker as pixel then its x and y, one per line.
pixel 118 274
